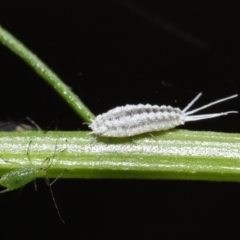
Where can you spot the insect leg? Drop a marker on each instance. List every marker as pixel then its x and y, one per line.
pixel 132 139
pixel 28 152
pixel 49 184
pixel 152 136
pixel 51 158
pixel 58 177
pixel 94 140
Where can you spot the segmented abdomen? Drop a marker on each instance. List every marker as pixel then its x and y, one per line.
pixel 132 120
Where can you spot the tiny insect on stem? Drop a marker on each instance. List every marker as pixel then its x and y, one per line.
pixel 19 126
pixel 20 177
pixel 131 120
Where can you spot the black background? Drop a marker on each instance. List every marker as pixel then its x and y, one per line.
pixel 112 53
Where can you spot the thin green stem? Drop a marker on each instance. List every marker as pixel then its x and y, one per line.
pixel 176 154
pixel 47 74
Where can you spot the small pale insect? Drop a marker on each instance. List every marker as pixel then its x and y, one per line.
pixel 131 120
pixel 19 126
pixel 20 177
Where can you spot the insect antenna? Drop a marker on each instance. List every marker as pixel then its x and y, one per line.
pixel 6 161
pixel 205 116
pixel 50 161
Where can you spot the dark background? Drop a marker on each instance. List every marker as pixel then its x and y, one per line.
pixel 112 53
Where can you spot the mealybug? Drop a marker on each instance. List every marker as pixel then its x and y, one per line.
pixel 132 120
pixel 20 177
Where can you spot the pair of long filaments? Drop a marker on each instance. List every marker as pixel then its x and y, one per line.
pixel 205 116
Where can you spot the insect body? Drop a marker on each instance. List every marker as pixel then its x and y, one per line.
pixel 132 120
pixel 19 126
pixel 20 177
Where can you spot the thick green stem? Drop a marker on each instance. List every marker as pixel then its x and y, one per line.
pixel 176 154
pixel 47 74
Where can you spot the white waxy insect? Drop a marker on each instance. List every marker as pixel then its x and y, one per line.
pixel 131 120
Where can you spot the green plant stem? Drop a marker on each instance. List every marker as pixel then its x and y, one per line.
pixel 176 154
pixel 47 74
